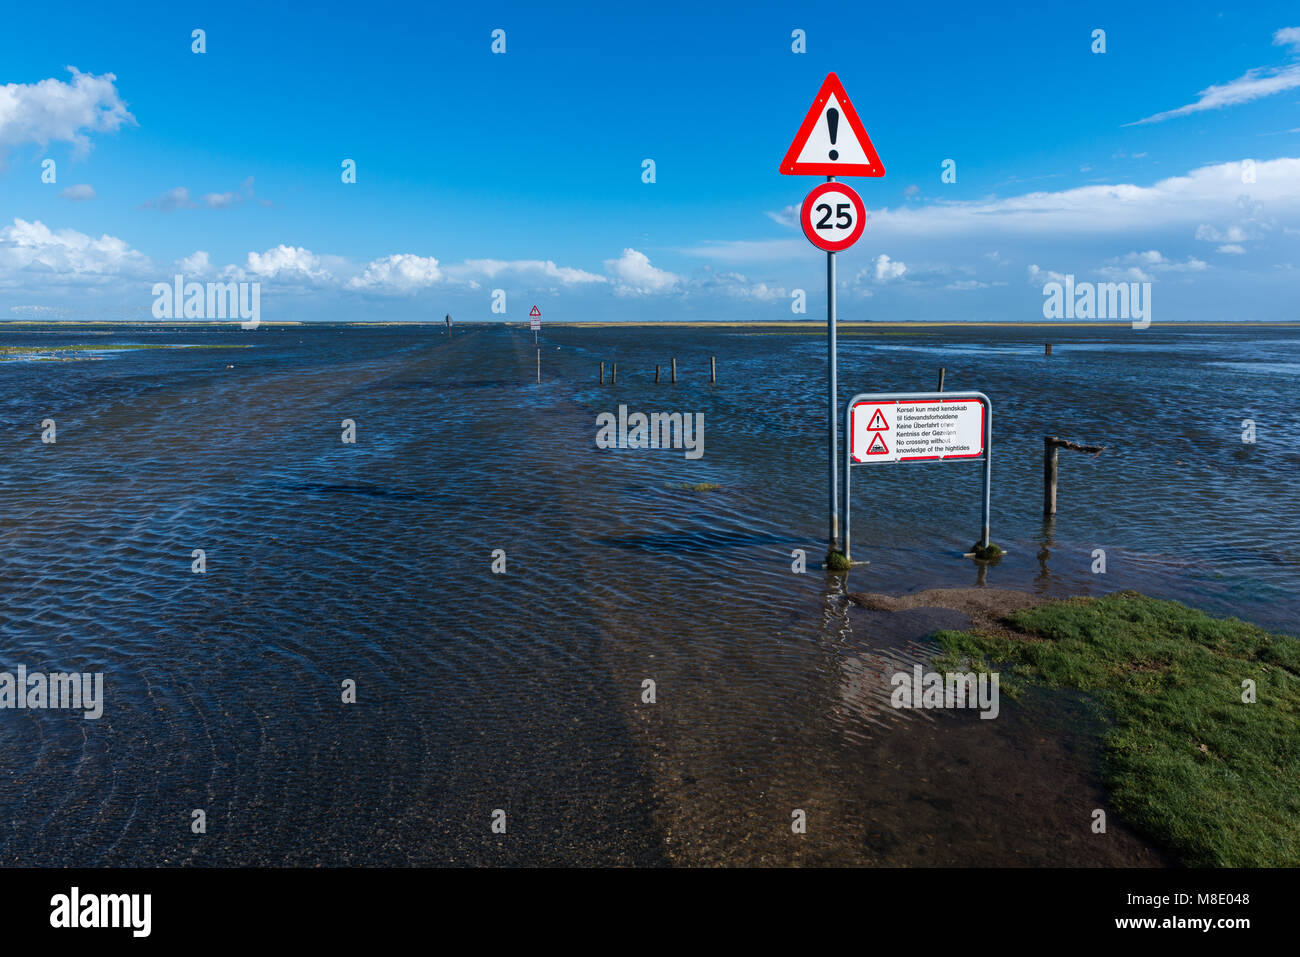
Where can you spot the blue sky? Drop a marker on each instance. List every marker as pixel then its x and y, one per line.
pixel 522 171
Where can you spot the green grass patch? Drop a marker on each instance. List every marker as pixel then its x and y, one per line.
pixel 1187 762
pixel 694 486
pixel 106 346
pixel 837 562
pixel 55 352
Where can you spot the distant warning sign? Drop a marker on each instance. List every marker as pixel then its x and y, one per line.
pixel 915 430
pixel 535 319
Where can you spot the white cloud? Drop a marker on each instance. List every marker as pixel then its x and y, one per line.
pixel 1251 85
pixel 1037 276
pixel 1179 202
pixel 285 262
pixel 197 264
pixel 736 286
pixel 887 269
pixel 789 216
pixel 52 111
pixel 177 198
pixel 1156 261
pixel 34 251
pixel 1231 249
pixel 226 200
pixel 401 272
pixel 1208 233
pixel 524 268
pixel 633 274
pixel 80 192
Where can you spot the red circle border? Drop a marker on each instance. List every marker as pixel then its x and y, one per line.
pixel 805 216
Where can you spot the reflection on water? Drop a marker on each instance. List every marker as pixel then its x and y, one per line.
pixel 373 562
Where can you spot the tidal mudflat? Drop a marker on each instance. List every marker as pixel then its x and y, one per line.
pixel 523 690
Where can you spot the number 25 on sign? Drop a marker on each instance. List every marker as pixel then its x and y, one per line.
pixel 833 217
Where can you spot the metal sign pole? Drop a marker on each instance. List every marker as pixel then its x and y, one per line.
pixel 988 466
pixel 831 389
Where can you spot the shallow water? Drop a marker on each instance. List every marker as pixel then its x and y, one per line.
pixel 522 691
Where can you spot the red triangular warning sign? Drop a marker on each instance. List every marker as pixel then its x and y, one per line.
pixel 877 421
pixel 877 446
pixel 535 312
pixel 832 140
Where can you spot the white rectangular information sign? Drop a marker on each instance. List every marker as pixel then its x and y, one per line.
pixel 916 430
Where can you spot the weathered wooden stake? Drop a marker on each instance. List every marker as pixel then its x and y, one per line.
pixel 713 370
pixel 613 379
pixel 941 372
pixel 1051 465
pixel 602 373
pixel 674 371
pixel 656 373
pixel 1047 349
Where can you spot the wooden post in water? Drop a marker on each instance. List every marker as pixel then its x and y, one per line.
pixel 656 373
pixel 602 373
pixel 613 379
pixel 1051 466
pixel 713 370
pixel 941 372
pixel 1047 349
pixel 674 370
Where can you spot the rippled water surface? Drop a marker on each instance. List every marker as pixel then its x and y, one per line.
pixel 522 691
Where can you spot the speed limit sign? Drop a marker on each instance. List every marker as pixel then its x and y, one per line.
pixel 833 217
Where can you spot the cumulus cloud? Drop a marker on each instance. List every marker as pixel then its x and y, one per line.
pixel 887 269
pixel 197 264
pixel 33 251
pixel 54 111
pixel 1251 85
pixel 401 272
pixel 633 274
pixel 286 262
pixel 80 192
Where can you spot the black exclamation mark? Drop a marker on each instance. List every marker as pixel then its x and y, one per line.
pixel 833 124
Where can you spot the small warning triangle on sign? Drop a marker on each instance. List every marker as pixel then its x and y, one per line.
pixel 535 313
pixel 832 140
pixel 877 422
pixel 877 446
